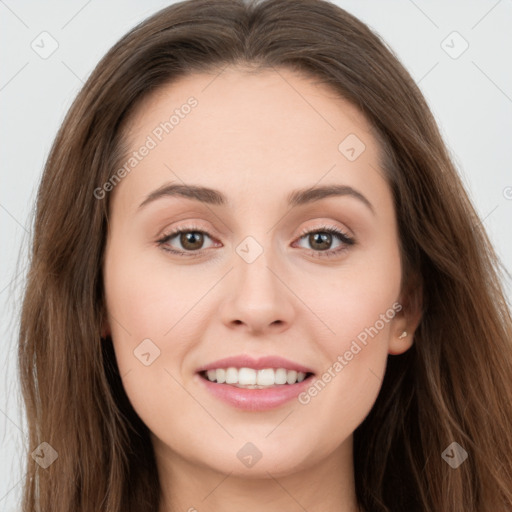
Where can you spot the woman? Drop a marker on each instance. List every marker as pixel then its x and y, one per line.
pixel 257 281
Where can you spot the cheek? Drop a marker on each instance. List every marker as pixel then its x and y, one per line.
pixel 359 305
pixel 145 295
pixel 359 310
pixel 146 310
pixel 141 304
pixel 345 391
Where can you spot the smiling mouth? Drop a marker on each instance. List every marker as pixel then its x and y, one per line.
pixel 250 378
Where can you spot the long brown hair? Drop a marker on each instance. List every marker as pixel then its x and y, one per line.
pixel 453 385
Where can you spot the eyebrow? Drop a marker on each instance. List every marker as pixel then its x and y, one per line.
pixel 215 197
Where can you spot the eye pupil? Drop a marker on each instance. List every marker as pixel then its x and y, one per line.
pixel 320 238
pixel 189 238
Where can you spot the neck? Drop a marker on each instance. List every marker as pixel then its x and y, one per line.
pixel 326 486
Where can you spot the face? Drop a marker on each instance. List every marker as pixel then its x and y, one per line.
pixel 290 284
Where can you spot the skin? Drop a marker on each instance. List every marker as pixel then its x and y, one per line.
pixel 255 138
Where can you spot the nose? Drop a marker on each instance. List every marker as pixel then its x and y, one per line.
pixel 258 300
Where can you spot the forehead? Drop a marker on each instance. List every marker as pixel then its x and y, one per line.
pixel 249 133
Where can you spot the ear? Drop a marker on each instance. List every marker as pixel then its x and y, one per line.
pixel 105 330
pixel 105 325
pixel 407 319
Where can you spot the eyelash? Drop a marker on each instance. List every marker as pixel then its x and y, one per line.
pixel 343 237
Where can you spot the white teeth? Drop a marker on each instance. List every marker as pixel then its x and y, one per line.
pixel 221 375
pixel 256 379
pixel 247 377
pixel 266 377
pixel 291 377
pixel 280 376
pixel 231 376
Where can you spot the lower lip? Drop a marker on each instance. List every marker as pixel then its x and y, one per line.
pixel 256 399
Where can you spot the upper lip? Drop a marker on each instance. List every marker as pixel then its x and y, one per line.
pixel 247 361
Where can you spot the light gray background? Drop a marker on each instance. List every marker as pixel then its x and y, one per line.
pixel 470 96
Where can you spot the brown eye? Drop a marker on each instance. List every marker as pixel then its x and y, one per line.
pixel 192 240
pixel 189 241
pixel 320 240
